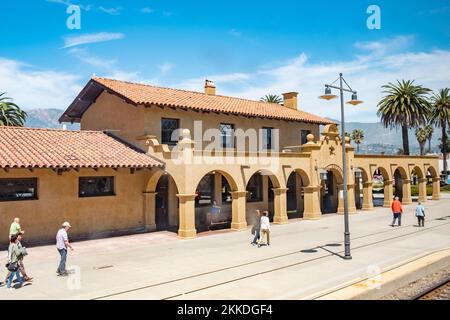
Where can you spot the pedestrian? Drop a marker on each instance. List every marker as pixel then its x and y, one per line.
pixel 420 214
pixel 14 254
pixel 15 228
pixel 25 277
pixel 264 229
pixel 397 211
pixel 62 243
pixel 256 228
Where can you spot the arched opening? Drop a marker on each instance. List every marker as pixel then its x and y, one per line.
pixel 436 183
pixel 401 182
pixel 361 181
pixel 295 194
pixel 260 194
pixel 418 184
pixel 166 204
pixel 381 188
pixel 331 187
pixel 213 202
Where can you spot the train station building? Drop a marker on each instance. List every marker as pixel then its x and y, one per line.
pixel 151 159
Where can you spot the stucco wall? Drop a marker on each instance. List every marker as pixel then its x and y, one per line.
pixel 58 201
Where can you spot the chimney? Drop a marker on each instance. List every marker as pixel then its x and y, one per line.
pixel 210 88
pixel 290 100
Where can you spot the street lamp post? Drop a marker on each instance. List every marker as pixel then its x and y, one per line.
pixel 328 96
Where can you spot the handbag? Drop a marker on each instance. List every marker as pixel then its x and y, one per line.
pixel 12 266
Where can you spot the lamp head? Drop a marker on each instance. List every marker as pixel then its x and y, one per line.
pixel 328 95
pixel 354 100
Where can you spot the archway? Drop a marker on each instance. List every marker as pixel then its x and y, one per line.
pixel 362 192
pixel 260 194
pixel 331 187
pixel 213 201
pixel 382 188
pixel 401 184
pixel 296 182
pixel 418 184
pixel 436 183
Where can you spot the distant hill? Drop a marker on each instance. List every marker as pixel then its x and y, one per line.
pixel 47 118
pixel 376 136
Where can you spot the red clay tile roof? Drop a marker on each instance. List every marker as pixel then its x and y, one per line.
pixel 50 148
pixel 147 95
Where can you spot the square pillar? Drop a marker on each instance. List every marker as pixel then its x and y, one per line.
pixel 149 211
pixel 280 206
pixel 367 196
pixel 239 220
pixel 187 216
pixel 436 188
pixel 407 192
pixel 388 193
pixel 423 189
pixel 312 203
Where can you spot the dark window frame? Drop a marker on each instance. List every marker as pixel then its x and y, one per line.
pixel 112 193
pixel 268 144
pixel 163 135
pixel 35 191
pixel 223 141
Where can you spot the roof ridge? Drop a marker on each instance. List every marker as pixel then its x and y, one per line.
pixel 189 91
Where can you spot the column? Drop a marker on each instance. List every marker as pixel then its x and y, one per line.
pixel 239 219
pixel 280 206
pixel 388 193
pixel 407 192
pixel 367 196
pixel 187 216
pixel 423 190
pixel 350 199
pixel 312 203
pixel 149 211
pixel 436 188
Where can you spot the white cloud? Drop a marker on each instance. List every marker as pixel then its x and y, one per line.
pixel 83 55
pixel 111 11
pixel 147 10
pixel 73 41
pixel 33 88
pixel 366 74
pixel 235 33
pixel 69 3
pixel 165 68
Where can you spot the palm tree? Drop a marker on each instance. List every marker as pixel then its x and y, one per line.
pixel 440 116
pixel 10 113
pixel 358 137
pixel 272 98
pixel 421 135
pixel 429 130
pixel 405 106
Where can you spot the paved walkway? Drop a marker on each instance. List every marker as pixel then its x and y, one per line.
pixel 302 260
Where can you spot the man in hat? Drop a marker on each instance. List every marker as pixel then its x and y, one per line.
pixel 62 243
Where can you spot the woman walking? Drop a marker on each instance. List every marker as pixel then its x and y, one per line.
pixel 256 228
pixel 14 255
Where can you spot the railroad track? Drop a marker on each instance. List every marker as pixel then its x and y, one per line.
pixel 440 291
pixel 443 218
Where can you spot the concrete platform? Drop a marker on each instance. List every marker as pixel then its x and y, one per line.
pixel 302 262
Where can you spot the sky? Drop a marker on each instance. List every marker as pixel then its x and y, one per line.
pixel 249 48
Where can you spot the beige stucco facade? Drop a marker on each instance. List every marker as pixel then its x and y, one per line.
pixel 133 207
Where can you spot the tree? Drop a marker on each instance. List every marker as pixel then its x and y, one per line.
pixel 10 113
pixel 429 131
pixel 421 135
pixel 272 98
pixel 406 106
pixel 358 137
pixel 440 116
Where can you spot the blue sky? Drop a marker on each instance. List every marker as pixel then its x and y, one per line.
pixel 250 48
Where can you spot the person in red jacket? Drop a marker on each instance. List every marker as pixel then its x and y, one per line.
pixel 397 210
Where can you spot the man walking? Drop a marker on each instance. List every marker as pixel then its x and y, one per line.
pixel 265 229
pixel 256 228
pixel 397 211
pixel 420 214
pixel 62 243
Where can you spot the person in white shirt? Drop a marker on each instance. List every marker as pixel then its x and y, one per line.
pixel 265 229
pixel 62 243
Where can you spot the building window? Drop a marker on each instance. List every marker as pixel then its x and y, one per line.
pixel 18 189
pixel 168 128
pixel 255 188
pixel 227 135
pixel 304 135
pixel 267 138
pixel 96 187
pixel 204 195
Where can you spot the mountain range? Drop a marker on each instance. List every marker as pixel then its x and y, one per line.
pixel 377 139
